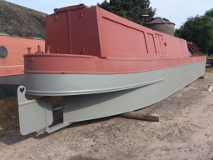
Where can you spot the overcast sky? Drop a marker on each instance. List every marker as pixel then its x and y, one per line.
pixel 176 11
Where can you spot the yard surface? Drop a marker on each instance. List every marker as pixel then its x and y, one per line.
pixel 185 131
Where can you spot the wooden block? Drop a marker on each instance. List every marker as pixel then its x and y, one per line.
pixel 202 77
pixel 138 116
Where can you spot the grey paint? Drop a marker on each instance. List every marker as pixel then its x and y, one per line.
pixel 84 107
pixel 16 79
pixel 92 106
pixel 78 84
pixel 33 114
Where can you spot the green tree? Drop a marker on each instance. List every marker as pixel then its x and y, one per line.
pixel 199 30
pixel 130 9
pixel 209 13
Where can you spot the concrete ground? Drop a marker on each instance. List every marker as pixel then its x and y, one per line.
pixel 185 131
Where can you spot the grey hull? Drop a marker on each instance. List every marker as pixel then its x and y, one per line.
pixel 84 107
pixel 9 85
pixel 13 80
pixel 79 84
pixel 102 96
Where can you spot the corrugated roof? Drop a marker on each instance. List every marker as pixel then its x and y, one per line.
pixel 20 21
pixel 159 20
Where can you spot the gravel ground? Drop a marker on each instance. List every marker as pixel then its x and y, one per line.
pixel 185 131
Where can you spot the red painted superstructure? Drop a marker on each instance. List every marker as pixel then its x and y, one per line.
pixel 93 40
pixel 13 63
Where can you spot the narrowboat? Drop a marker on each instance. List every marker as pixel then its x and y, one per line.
pixel 12 50
pixel 102 65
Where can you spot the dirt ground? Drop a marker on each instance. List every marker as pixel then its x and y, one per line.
pixel 185 131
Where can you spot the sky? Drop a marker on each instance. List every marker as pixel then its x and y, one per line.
pixel 176 11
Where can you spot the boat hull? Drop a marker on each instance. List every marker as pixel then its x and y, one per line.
pixel 9 85
pixel 91 105
pixel 77 84
pixel 80 84
pixel 15 79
